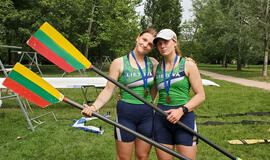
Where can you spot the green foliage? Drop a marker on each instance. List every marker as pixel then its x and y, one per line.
pixel 117 27
pixel 114 24
pixel 162 14
pixel 226 30
pixel 188 44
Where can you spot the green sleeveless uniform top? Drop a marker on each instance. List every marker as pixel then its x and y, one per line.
pixel 179 88
pixel 132 79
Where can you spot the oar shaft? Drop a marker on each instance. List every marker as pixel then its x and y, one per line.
pixel 148 140
pixel 163 113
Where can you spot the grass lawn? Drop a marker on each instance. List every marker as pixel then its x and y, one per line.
pixel 58 140
pixel 252 72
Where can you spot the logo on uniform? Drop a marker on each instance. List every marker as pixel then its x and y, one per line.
pixel 181 67
pixel 151 66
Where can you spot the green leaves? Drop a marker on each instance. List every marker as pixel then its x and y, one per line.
pixel 163 14
pixel 114 24
pixel 231 30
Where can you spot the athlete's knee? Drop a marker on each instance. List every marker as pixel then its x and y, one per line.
pixel 122 157
pixel 142 156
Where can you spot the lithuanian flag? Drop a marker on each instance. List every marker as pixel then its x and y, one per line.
pixel 29 85
pixel 48 42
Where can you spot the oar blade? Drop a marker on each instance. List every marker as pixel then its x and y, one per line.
pixel 51 44
pixel 248 141
pixel 30 86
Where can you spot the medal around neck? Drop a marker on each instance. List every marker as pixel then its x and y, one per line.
pixel 145 93
pixel 144 78
pixel 168 99
pixel 167 86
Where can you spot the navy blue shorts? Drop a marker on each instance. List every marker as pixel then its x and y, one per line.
pixel 138 117
pixel 167 133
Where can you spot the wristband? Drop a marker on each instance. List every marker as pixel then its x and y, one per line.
pixel 185 109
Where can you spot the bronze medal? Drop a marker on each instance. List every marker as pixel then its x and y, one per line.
pixel 168 99
pixel 145 93
pixel 167 84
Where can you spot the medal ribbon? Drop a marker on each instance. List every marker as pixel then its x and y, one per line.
pixel 146 74
pixel 167 87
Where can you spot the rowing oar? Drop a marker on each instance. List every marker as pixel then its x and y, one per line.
pixel 30 86
pixel 56 48
pixel 248 141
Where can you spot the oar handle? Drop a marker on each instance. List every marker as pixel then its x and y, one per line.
pixel 162 112
pixel 148 140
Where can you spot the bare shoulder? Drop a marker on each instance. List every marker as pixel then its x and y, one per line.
pixel 118 60
pixel 153 60
pixel 191 67
pixel 190 59
pixel 117 65
pixel 191 64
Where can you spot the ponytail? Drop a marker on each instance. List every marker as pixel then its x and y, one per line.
pixel 177 50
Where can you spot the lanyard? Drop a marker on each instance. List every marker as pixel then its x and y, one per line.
pixel 144 78
pixel 167 87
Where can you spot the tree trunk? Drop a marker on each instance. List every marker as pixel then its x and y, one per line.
pixel 239 62
pixel 266 49
pixel 224 64
pixel 266 38
pixel 89 28
pixel 239 58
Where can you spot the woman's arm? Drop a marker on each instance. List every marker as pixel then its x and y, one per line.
pixel 194 77
pixel 196 84
pixel 105 95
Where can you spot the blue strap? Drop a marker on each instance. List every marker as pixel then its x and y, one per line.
pixel 167 87
pixel 146 67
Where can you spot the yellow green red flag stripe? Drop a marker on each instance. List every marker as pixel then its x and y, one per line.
pixel 22 80
pixel 64 43
pixel 24 92
pixel 52 45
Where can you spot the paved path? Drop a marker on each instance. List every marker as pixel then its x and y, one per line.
pixel 242 81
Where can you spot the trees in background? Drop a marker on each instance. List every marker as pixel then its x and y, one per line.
pixel 262 18
pixel 228 30
pixel 114 24
pixel 162 14
pixel 223 31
